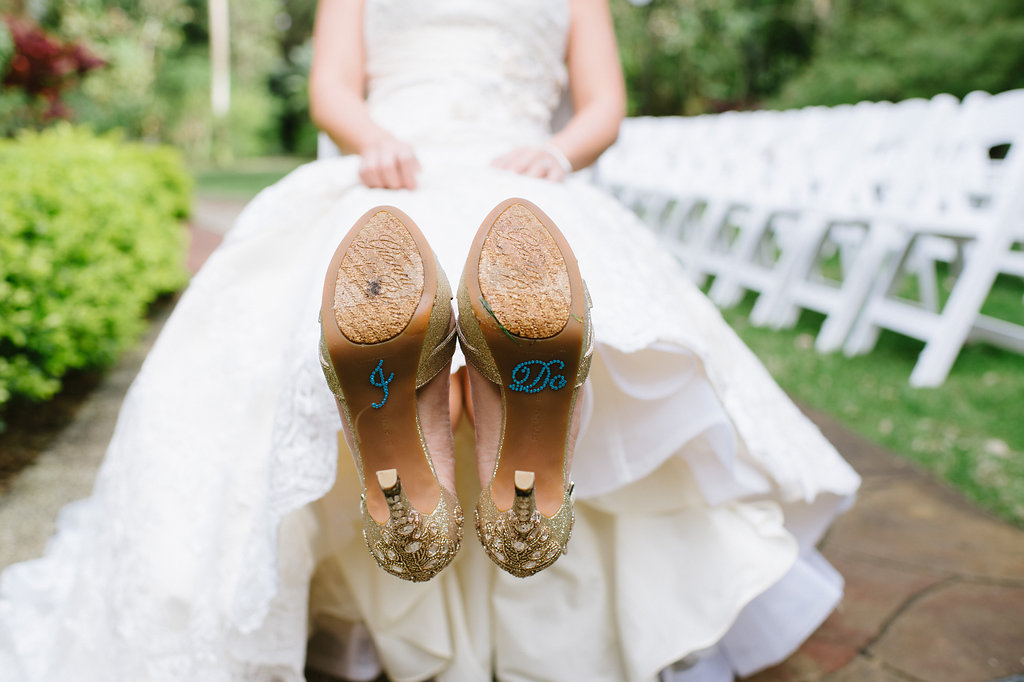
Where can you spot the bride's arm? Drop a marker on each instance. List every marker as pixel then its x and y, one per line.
pixel 598 97
pixel 336 98
pixel 595 84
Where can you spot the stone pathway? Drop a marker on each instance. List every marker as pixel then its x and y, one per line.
pixel 935 587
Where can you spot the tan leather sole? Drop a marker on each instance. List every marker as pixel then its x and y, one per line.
pixel 375 312
pixel 526 292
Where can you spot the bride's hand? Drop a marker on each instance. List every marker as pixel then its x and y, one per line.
pixel 388 163
pixel 535 162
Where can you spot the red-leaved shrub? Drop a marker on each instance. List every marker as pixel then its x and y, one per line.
pixel 43 66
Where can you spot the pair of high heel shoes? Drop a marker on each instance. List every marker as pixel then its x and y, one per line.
pixel 524 324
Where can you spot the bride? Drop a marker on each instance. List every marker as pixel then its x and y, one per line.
pixel 224 538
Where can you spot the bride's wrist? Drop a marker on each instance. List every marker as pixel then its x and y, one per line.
pixel 374 139
pixel 559 156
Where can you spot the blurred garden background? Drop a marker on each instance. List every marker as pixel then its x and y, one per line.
pixel 115 114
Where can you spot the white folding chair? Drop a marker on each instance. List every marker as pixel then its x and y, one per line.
pixel 853 214
pixel 790 179
pixel 975 207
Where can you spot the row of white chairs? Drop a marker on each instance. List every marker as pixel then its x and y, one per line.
pixel 832 209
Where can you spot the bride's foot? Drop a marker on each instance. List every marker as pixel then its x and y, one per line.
pixel 386 346
pixel 524 318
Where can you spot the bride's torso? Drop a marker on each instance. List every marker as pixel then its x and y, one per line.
pixel 466 72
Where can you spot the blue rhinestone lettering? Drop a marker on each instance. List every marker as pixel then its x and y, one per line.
pixel 377 379
pixel 533 376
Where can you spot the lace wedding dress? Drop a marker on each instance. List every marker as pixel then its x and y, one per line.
pixel 223 530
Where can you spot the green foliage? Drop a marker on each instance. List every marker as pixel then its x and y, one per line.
pixel 252 127
pixel 6 46
pixel 156 85
pixel 37 70
pixel 90 234
pixel 290 83
pixel 137 38
pixel 253 122
pixel 679 57
pixel 183 98
pixel 895 49
pixel 183 102
pixel 19 110
pixel 695 56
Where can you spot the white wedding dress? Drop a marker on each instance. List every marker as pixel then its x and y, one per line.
pixel 223 530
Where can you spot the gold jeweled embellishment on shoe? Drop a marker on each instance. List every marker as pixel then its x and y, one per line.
pixel 522 540
pixel 413 545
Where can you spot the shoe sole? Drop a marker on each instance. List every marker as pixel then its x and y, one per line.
pixel 527 293
pixel 376 307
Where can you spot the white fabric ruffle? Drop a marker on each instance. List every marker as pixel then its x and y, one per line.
pixel 179 566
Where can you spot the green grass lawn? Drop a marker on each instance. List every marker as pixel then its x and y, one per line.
pixel 244 178
pixel 969 431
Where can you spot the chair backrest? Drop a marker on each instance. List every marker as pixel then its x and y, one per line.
pixel 911 160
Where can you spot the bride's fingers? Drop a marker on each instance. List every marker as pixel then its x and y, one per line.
pixel 390 164
pixel 532 162
pixel 389 171
pixel 369 170
pixel 545 166
pixel 539 167
pixel 518 160
pixel 524 162
pixel 408 168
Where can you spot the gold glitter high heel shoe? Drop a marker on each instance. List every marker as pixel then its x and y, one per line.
pixel 387 329
pixel 524 324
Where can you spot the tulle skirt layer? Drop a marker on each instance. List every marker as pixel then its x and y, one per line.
pixel 223 531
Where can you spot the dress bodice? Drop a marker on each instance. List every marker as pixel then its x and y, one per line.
pixel 462 72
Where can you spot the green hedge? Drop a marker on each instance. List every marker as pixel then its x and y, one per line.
pixel 90 233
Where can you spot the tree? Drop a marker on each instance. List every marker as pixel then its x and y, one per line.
pixel 220 75
pixel 693 56
pixel 895 49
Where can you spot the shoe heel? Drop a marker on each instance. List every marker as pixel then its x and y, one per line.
pixel 386 324
pixel 525 325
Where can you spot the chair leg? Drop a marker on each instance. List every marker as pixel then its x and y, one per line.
pixel 728 287
pixel 855 289
pixel 701 248
pixel 928 284
pixel 776 306
pixel 962 308
pixel 863 336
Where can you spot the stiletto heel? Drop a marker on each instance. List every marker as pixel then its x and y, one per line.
pixel 524 324
pixel 386 323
